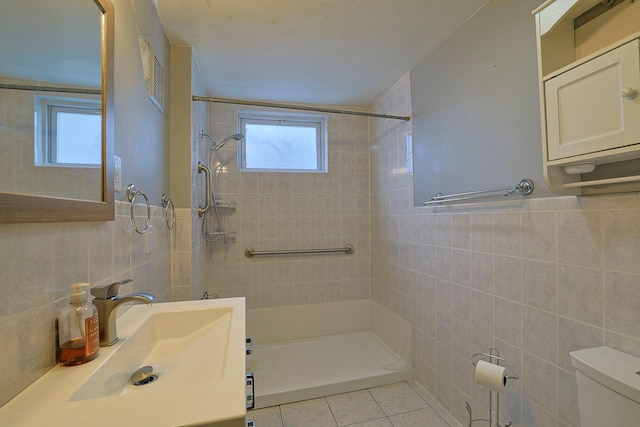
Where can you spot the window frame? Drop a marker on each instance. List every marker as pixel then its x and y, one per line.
pixel 45 135
pixel 277 119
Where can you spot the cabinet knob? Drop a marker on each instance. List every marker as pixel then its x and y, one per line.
pixel 629 92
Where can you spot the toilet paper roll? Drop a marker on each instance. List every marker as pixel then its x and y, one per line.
pixel 491 375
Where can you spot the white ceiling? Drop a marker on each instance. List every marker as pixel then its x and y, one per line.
pixel 337 52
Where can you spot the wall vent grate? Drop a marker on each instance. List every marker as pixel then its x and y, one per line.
pixel 156 84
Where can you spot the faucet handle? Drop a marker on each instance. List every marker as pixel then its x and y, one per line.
pixel 108 291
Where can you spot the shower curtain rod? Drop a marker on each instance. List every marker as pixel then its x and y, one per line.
pixel 298 107
pixel 50 88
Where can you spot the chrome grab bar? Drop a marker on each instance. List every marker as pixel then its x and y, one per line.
pixel 524 187
pixel 250 252
pixel 207 188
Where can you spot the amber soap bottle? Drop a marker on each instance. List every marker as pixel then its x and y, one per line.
pixel 78 330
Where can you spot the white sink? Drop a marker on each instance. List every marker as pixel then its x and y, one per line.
pixel 196 349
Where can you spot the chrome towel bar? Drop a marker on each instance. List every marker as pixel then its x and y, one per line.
pixel 524 187
pixel 250 252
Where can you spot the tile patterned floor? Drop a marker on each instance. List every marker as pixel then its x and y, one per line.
pixel 405 404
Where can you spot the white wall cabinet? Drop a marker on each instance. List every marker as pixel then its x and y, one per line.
pixel 589 71
pixel 595 106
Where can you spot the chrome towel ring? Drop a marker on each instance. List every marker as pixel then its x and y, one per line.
pixel 132 193
pixel 169 219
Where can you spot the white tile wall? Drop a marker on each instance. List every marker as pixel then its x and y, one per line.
pixel 41 261
pixel 536 279
pixel 294 211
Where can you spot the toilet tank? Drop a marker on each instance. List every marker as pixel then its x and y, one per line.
pixel 608 387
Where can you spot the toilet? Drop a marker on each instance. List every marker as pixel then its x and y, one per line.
pixel 608 387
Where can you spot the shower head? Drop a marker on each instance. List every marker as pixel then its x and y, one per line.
pixel 219 145
pixel 215 146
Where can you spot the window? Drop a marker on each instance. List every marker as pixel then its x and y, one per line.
pixel 409 142
pixel 68 132
pixel 282 142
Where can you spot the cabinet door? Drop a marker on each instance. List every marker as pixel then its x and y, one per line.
pixel 586 108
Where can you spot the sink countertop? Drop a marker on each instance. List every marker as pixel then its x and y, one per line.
pixel 220 403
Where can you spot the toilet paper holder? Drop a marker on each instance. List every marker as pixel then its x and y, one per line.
pixel 493 356
pixel 489 355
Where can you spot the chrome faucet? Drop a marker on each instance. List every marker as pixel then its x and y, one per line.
pixel 107 300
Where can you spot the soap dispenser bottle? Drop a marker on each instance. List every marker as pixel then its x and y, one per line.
pixel 78 328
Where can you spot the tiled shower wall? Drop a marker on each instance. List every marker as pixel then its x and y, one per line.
pixel 536 279
pixel 293 211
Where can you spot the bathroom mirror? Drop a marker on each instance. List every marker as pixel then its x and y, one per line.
pixel 56 110
pixel 475 111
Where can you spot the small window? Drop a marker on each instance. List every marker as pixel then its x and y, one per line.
pixel 409 142
pixel 282 142
pixel 68 132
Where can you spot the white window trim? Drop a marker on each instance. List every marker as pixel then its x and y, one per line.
pixel 319 121
pixel 45 134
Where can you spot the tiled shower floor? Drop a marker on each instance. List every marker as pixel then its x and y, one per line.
pixel 404 404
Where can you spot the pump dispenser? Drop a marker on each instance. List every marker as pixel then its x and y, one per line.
pixel 78 328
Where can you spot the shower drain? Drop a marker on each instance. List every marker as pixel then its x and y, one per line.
pixel 143 376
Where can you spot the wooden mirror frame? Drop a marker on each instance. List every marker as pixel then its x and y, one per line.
pixel 17 207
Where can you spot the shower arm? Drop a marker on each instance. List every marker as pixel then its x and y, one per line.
pixel 219 145
pixel 216 146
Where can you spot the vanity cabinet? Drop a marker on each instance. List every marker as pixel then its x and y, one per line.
pixel 589 70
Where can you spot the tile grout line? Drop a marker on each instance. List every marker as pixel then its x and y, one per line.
pixel 281 416
pixel 428 407
pixel 331 410
pixel 431 407
pixel 377 404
